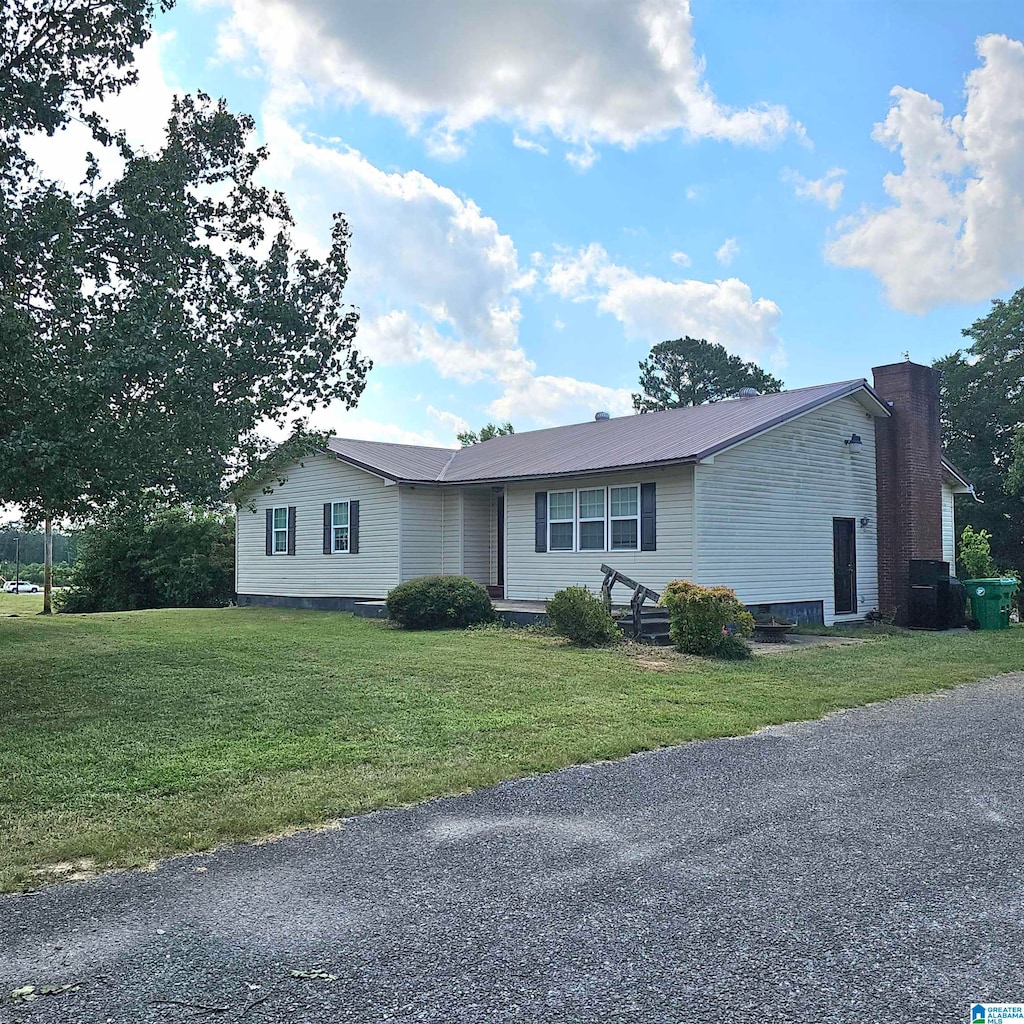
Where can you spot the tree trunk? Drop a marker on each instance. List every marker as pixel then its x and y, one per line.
pixel 47 564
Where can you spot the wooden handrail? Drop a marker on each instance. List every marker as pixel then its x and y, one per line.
pixel 640 594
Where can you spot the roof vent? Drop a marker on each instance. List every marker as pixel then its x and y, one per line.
pixel 748 393
pixel 599 416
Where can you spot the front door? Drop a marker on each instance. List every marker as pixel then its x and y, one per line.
pixel 501 539
pixel 844 551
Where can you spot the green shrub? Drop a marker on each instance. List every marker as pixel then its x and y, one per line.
pixel 709 621
pixel 439 602
pixel 976 562
pixel 153 558
pixel 576 614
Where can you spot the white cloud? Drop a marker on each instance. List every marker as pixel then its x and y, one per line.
pixel 588 74
pixel 582 159
pixel 435 279
pixel 560 399
pixel 530 144
pixel 456 424
pixel 653 309
pixel 727 251
pixel 364 428
pixel 954 230
pixel 827 189
pixel 680 258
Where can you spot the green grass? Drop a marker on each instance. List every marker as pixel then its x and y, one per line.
pixel 20 604
pixel 127 737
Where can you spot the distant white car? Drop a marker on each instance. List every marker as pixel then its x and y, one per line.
pixel 21 587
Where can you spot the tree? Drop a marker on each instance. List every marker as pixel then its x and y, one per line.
pixel 690 371
pixel 153 324
pixel 486 432
pixel 983 425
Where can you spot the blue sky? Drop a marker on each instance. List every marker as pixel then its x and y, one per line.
pixel 539 192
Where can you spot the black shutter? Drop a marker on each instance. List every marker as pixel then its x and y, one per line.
pixel 328 527
pixel 270 531
pixel 353 527
pixel 291 529
pixel 540 521
pixel 648 517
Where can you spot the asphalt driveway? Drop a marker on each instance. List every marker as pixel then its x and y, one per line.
pixel 865 867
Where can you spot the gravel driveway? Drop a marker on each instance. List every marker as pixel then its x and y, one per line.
pixel 865 867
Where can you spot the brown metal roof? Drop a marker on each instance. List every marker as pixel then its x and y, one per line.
pixel 394 461
pixel 676 435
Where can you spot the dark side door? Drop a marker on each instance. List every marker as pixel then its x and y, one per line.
pixel 844 551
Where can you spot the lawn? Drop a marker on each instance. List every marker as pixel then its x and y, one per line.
pixel 127 737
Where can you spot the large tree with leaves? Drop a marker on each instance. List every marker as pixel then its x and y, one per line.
pixel 154 323
pixel 691 371
pixel 983 425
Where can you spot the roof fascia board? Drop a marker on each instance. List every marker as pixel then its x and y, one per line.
pixel 569 474
pixel 361 465
pixel 789 418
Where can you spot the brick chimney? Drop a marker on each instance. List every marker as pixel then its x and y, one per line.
pixel 908 464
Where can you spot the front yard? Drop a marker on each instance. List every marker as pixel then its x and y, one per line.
pixel 127 737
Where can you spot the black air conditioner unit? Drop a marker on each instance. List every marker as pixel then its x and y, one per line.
pixel 929 594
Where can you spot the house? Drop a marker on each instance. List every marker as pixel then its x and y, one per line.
pixel 809 503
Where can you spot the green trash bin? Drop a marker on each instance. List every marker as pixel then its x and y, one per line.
pixel 991 600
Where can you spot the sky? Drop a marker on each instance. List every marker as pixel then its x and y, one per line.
pixel 538 192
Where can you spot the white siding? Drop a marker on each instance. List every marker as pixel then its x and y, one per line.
pixel 765 510
pixel 421 526
pixel 451 531
pixel 948 528
pixel 476 534
pixel 309 572
pixel 530 575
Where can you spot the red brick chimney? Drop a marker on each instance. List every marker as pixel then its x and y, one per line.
pixel 908 465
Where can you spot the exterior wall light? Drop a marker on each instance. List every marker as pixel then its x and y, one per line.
pixel 855 444
pixel 864 520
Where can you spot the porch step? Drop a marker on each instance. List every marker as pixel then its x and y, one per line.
pixel 654 623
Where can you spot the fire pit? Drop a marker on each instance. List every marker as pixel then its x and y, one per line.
pixel 773 630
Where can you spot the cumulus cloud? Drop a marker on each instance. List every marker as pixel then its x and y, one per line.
pixel 587 73
pixel 827 189
pixel 727 251
pixel 680 258
pixel 954 229
pixel 652 309
pixel 436 280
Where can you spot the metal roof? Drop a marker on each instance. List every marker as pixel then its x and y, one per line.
pixel 676 435
pixel 394 461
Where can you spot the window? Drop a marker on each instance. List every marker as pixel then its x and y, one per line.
pixel 561 520
pixel 624 510
pixel 591 504
pixel 339 526
pixel 281 530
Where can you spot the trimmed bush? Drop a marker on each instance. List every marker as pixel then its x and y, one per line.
pixel 709 621
pixel 439 602
pixel 579 616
